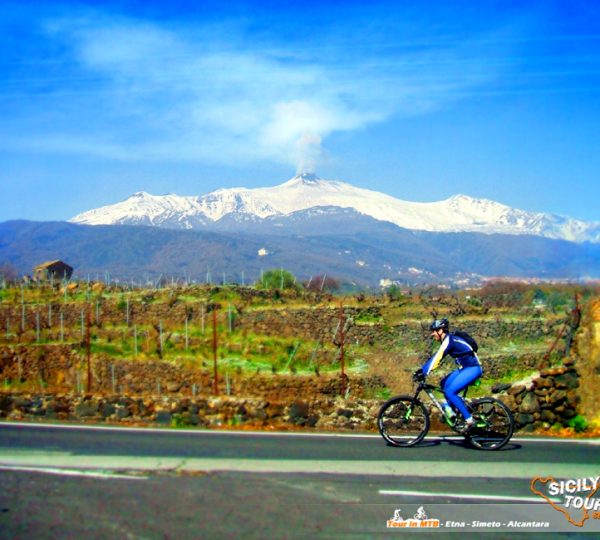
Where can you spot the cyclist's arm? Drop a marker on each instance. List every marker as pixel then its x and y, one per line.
pixel 435 360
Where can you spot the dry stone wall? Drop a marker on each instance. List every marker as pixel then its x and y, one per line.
pixel 59 368
pixel 551 398
pixel 547 400
pixel 323 413
pixel 46 365
pixel 320 323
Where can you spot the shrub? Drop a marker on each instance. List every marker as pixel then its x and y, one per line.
pixel 277 279
pixel 179 421
pixel 578 423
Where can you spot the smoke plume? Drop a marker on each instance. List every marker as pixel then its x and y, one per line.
pixel 308 152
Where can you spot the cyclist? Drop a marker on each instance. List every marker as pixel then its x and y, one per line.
pixel 469 369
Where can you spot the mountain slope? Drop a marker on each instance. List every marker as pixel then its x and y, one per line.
pixel 364 255
pixel 456 214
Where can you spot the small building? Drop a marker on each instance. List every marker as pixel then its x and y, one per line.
pixel 53 270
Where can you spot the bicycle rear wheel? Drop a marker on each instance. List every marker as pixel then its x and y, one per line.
pixel 493 424
pixel 403 421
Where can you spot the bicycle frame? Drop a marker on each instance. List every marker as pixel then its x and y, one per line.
pixel 429 389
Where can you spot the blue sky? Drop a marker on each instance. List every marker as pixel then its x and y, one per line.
pixel 420 100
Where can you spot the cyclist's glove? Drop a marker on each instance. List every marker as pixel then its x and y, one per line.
pixel 419 375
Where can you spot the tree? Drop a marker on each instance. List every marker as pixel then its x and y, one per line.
pixel 277 279
pixel 394 292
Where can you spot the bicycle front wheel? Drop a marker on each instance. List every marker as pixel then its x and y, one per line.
pixel 494 424
pixel 403 421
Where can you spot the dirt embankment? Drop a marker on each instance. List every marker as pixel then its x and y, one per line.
pixel 588 351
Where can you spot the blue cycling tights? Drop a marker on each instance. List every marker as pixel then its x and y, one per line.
pixel 456 381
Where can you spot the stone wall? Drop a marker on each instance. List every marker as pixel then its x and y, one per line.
pixel 59 368
pixel 321 323
pixel 47 365
pixel 548 399
pixel 551 398
pixel 323 414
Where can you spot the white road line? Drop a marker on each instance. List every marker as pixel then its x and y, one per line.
pixel 545 440
pixel 191 431
pixel 386 468
pixel 73 472
pixel 475 496
pixel 591 442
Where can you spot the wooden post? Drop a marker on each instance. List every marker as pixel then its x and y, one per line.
pixel 89 349
pixel 215 371
pixel 342 332
pixel 187 336
pixel 160 337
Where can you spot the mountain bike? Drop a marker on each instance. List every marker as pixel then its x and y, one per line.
pixel 404 420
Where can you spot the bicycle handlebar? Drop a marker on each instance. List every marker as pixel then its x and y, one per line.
pixel 419 376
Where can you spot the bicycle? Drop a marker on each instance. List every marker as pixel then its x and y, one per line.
pixel 404 420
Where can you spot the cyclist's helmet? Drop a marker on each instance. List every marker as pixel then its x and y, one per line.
pixel 438 324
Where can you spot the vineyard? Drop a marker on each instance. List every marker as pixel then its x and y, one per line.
pixel 236 333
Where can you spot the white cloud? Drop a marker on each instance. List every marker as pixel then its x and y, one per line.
pixel 141 91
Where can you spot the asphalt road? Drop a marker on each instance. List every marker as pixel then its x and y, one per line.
pixel 84 482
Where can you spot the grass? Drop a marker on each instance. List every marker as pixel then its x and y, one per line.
pixel 245 351
pixel 368 319
pixel 8 385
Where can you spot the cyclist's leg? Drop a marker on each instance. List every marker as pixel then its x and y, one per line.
pixel 447 385
pixel 457 381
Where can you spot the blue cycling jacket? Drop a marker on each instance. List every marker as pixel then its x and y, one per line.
pixel 458 348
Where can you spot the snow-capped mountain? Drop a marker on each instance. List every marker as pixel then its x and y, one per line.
pixel 459 213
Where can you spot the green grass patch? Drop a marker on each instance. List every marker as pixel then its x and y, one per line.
pixel 107 348
pixel 367 319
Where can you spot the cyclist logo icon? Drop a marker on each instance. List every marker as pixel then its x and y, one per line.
pixel 419 520
pixel 420 514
